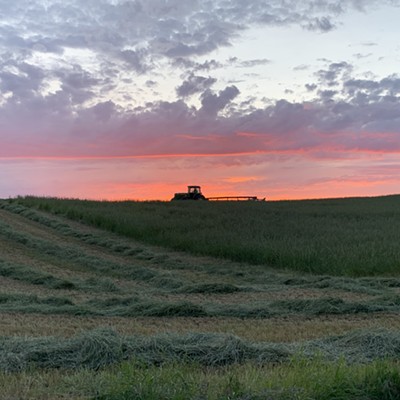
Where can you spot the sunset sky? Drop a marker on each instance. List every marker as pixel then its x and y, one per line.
pixel 135 99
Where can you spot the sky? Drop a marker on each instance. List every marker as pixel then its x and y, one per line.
pixel 119 99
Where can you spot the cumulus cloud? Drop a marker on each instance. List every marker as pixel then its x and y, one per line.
pixel 194 84
pixel 212 103
pixel 333 73
pixel 346 124
pixel 323 24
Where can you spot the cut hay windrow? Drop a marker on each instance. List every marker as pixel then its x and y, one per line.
pixel 65 229
pixel 217 288
pixel 34 276
pixel 85 262
pixel 359 346
pixel 146 306
pixel 102 347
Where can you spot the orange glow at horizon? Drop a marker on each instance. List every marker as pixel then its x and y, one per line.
pixel 274 176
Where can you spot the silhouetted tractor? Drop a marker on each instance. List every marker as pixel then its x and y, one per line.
pixel 193 193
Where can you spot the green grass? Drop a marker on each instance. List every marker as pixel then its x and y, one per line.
pixel 341 257
pixel 301 380
pixel 204 366
pixel 354 237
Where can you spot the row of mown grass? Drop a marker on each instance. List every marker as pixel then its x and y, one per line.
pixel 140 306
pixel 200 367
pixel 355 237
pixel 103 347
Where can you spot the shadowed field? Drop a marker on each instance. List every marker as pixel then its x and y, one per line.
pixel 91 307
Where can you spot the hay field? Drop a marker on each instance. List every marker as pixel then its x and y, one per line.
pixel 342 237
pixel 91 312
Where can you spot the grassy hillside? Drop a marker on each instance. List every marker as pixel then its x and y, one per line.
pixel 91 313
pixel 353 237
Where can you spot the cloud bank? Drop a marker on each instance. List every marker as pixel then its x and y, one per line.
pixel 85 79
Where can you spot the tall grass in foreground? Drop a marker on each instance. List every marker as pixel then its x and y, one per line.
pixel 299 380
pixel 354 237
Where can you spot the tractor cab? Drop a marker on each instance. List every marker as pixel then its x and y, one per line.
pixel 194 190
pixel 193 193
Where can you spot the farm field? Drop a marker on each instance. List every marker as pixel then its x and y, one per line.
pixel 283 300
